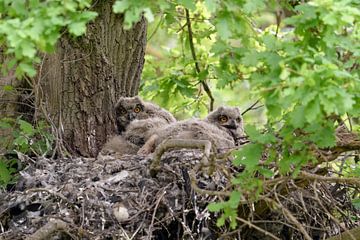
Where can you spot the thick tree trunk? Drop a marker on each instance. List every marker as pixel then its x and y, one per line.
pixel 84 78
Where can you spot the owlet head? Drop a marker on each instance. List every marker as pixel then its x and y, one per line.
pixel 228 119
pixel 126 110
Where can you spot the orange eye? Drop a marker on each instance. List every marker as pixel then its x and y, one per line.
pixel 223 119
pixel 137 109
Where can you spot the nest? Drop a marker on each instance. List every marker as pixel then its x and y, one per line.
pixel 117 198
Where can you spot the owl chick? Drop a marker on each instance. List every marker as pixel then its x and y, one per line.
pixel 135 120
pixel 223 128
pixel 229 120
pixel 128 109
pixel 139 131
pixel 134 137
pixel 118 145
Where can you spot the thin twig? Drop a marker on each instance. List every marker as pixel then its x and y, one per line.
pixel 156 28
pixel 59 195
pixel 278 22
pixel 327 211
pixel 290 216
pixel 193 53
pixel 350 123
pixel 257 228
pixel 348 180
pixel 252 107
pixel 154 213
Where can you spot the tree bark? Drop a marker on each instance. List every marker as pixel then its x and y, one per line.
pixel 84 78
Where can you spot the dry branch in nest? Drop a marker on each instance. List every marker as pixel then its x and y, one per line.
pixel 117 198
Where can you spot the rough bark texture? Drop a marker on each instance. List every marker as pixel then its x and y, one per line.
pixel 84 78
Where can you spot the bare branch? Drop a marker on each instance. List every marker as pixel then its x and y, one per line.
pixel 257 228
pixel 252 107
pixel 193 53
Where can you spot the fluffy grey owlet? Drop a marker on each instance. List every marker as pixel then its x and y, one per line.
pixel 128 109
pixel 223 128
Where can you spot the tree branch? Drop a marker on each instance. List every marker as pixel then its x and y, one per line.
pixel 310 176
pixel 257 228
pixel 346 141
pixel 193 53
pixel 252 107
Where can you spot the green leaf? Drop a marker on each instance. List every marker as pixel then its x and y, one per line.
pixel 312 110
pixel 223 29
pixel 251 58
pixel 323 136
pixel 330 18
pixel 5 175
pixel 132 16
pixel 27 68
pixel 356 203
pixel 19 7
pixel 120 6
pixel 284 74
pixel 220 221
pixel 148 14
pixel 21 141
pixel 211 5
pixel 215 207
pixel 88 15
pixel 266 172
pixel 190 4
pixel 8 88
pixel 26 127
pixel 28 49
pixel 249 155
pixel 203 74
pixel 256 136
pixel 4 124
pixel 253 5
pixel 234 199
pixel 252 132
pixel 297 117
pixel 77 28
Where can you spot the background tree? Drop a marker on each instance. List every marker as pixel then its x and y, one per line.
pixel 77 85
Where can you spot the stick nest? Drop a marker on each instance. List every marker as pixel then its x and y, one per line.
pixel 116 198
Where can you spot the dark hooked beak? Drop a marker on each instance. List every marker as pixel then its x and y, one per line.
pixel 232 125
pixel 131 116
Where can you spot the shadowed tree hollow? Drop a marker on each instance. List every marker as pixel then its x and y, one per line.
pixel 82 80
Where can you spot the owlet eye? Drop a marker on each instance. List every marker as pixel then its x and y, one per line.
pixel 137 109
pixel 223 119
pixel 238 120
pixel 123 111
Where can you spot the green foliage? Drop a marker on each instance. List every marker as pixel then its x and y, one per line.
pixel 304 69
pixel 21 136
pixel 7 171
pixel 356 203
pixel 25 138
pixel 134 9
pixel 27 27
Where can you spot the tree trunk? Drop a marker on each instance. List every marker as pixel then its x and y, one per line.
pixel 84 78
